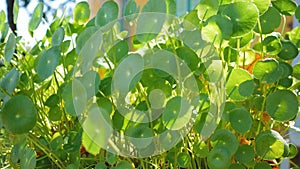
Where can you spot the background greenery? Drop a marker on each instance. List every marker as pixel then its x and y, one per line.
pixel 41 130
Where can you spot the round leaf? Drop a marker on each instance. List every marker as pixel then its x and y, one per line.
pixel 90 145
pixel 201 149
pixel 243 15
pixel 131 10
pixel 269 21
pixel 262 165
pixel 282 105
pixel 118 51
pixel 28 159
pixel 10 81
pixel 289 50
pixel 262 5
pixel 84 37
pixel 36 17
pixel 240 120
pixel 244 154
pixel 55 113
pixel 151 20
pixel 272 45
pixel 236 166
pixel 269 145
pixel 81 13
pixel 286 7
pixel 141 136
pixel 219 158
pixel 107 13
pixel 58 37
pixel 188 56
pixel 224 138
pixel 207 8
pixel 47 62
pixel 123 165
pixel 296 71
pixel 217 29
pixel 267 70
pixel 176 115
pixel 183 160
pixel 19 114
pixel 240 85
pixel 10 48
pixel 52 100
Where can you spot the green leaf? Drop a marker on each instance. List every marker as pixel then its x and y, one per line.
pixel 91 81
pixel 19 114
pixel 90 145
pixel 191 20
pixel 118 51
pixel 2 19
pixel 58 37
pixel 183 160
pixel 219 158
pixel 244 40
pixel 16 11
pixel 56 142
pixel 36 17
pixel 105 105
pixel 48 62
pixel 272 45
pixel 269 21
pixel 201 149
pixel 262 165
pixel 237 166
pixel 244 154
pixel 10 48
pixel 55 113
pixel 188 56
pixel 286 7
pixel 107 13
pixel 216 29
pixel 99 134
pixel 123 165
pixel 141 135
pixel 269 144
pixel 293 151
pixel 28 160
pixel 297 13
pixel 267 70
pixel 75 97
pixel 286 69
pixel 52 100
pixel 171 7
pixel 289 50
pixel 111 158
pixel 262 5
pixel 296 71
pixel 240 120
pixel 10 81
pixel 294 36
pixel 207 8
pixel 240 85
pixel 131 10
pixel 101 165
pixel 151 20
pixel 176 114
pixel 282 105
pixel 81 13
pixel 224 138
pixel 84 37
pixel 243 16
